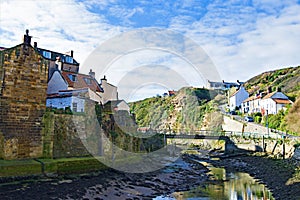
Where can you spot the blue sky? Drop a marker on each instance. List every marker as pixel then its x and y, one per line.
pixel 242 37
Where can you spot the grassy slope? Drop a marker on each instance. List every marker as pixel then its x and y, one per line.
pixel 288 79
pixel 183 111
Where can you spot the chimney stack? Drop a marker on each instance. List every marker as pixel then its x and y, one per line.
pixel 58 63
pixel 91 73
pixel 278 89
pixel 269 90
pixel 35 45
pixel 27 38
pixel 72 52
pixel 103 79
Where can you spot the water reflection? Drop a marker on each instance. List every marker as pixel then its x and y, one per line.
pixel 225 186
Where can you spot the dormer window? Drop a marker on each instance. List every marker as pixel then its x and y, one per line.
pixel 69 59
pixel 73 77
pixel 47 54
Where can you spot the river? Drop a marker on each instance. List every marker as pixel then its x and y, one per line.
pixel 224 186
pixel 187 178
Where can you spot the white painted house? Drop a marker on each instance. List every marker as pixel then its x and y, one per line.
pixel 252 104
pixel 66 100
pixel 74 99
pixel 237 98
pixel 110 91
pixel 273 102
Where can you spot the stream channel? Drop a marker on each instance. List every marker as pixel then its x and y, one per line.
pixel 224 186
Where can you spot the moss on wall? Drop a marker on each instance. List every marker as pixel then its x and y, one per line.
pixel 1 145
pixel 47 134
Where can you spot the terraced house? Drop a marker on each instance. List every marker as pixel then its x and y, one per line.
pixel 266 103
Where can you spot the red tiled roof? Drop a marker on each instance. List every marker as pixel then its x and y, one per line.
pixel 282 101
pixel 81 81
pixel 252 98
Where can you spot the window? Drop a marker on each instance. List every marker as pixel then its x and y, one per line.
pixel 74 107
pixel 88 81
pixel 69 59
pixel 73 77
pixel 47 54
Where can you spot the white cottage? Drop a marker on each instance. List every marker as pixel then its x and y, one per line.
pixel 237 98
pixel 110 91
pixel 252 104
pixel 273 102
pixel 73 99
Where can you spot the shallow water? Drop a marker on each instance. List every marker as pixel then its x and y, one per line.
pixel 225 186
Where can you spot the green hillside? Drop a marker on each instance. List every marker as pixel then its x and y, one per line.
pixel 183 111
pixel 287 79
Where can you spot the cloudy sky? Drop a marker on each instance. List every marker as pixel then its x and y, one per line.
pixel 242 38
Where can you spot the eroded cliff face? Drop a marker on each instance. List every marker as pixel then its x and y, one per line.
pixel 23 85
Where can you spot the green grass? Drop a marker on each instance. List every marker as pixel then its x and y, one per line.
pixel 19 168
pixel 57 166
pixel 28 167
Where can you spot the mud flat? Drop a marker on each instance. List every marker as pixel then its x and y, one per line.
pixel 182 175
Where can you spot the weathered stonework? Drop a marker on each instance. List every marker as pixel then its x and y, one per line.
pixel 23 85
pixel 67 135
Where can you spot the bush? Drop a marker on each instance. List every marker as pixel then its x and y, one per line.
pixel 257 119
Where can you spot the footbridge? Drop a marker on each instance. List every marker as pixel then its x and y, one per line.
pixel 230 147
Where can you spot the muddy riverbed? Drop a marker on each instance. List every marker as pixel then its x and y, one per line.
pixel 182 178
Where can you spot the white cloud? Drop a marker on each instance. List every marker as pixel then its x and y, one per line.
pixel 243 42
pixel 273 44
pixel 59 26
pixel 243 38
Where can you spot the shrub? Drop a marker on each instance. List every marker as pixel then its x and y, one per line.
pixel 257 119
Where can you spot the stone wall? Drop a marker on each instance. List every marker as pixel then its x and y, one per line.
pixel 66 135
pixel 271 146
pixel 23 85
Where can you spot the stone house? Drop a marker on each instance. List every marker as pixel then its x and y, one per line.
pixel 23 93
pixel 30 79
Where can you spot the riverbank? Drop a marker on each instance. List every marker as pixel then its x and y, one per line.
pixel 182 175
pixel 185 174
pixel 282 177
